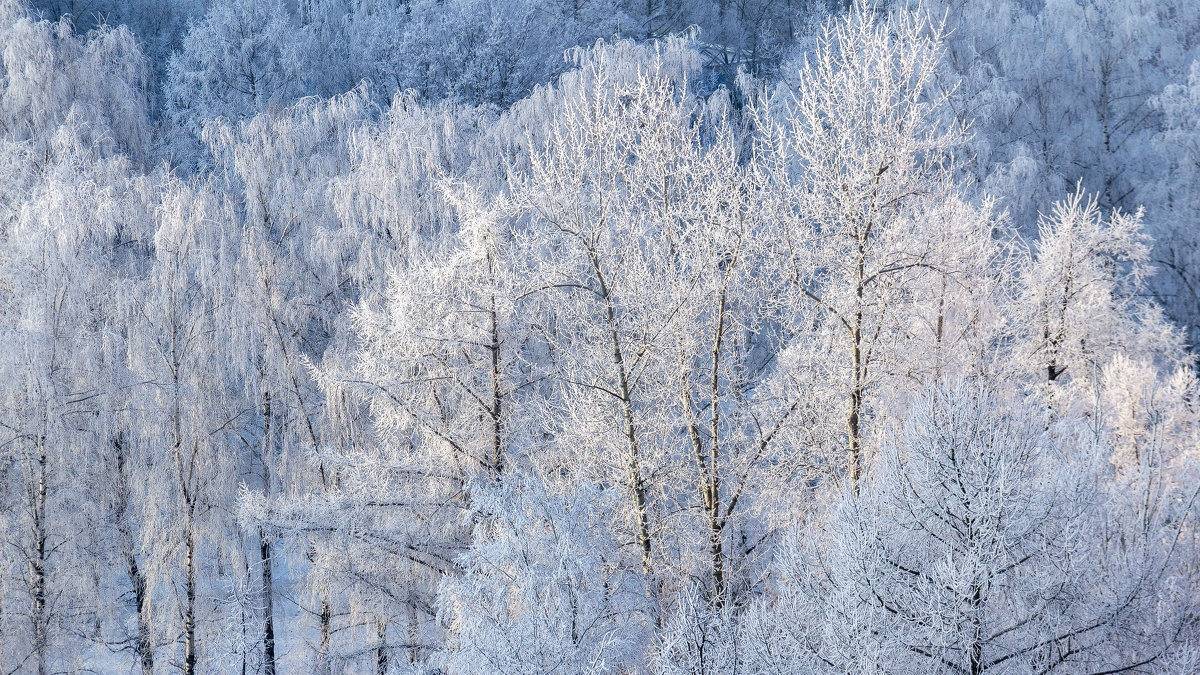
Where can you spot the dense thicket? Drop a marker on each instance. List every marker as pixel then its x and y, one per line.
pixel 599 336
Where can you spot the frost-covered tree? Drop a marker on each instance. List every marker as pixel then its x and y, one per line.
pixel 538 591
pixel 648 258
pixel 293 266
pixel 1083 299
pixel 860 168
pixel 371 218
pixel 60 253
pixel 187 415
pixel 50 76
pixel 240 59
pixel 68 224
pixel 438 364
pixel 609 279
pixel 981 543
pixel 1173 200
pixel 1062 92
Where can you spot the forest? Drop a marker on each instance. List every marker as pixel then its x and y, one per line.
pixel 599 336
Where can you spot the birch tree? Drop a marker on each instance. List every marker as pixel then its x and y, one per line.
pixel 439 366
pixel 1173 223
pixel 294 281
pixel 191 413
pixel 862 166
pixel 538 591
pixel 1083 297
pixel 60 252
pixel 240 59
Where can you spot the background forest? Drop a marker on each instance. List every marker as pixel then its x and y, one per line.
pixel 599 336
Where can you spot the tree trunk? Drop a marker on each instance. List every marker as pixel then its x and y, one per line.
pixel 853 419
pixel 497 463
pixel 39 614
pixel 264 554
pixel 264 546
pixel 976 649
pixel 853 430
pixel 323 665
pixel 137 580
pixel 636 479
pixel 189 616
pixel 715 524
pixel 381 657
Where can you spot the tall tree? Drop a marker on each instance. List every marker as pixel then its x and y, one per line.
pixel 862 167
pixel 1083 298
pixel 965 553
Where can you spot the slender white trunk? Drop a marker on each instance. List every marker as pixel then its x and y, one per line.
pixel 264 549
pixel 39 613
pixel 264 553
pixel 189 615
pixel 636 480
pixel 144 648
pixel 381 656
